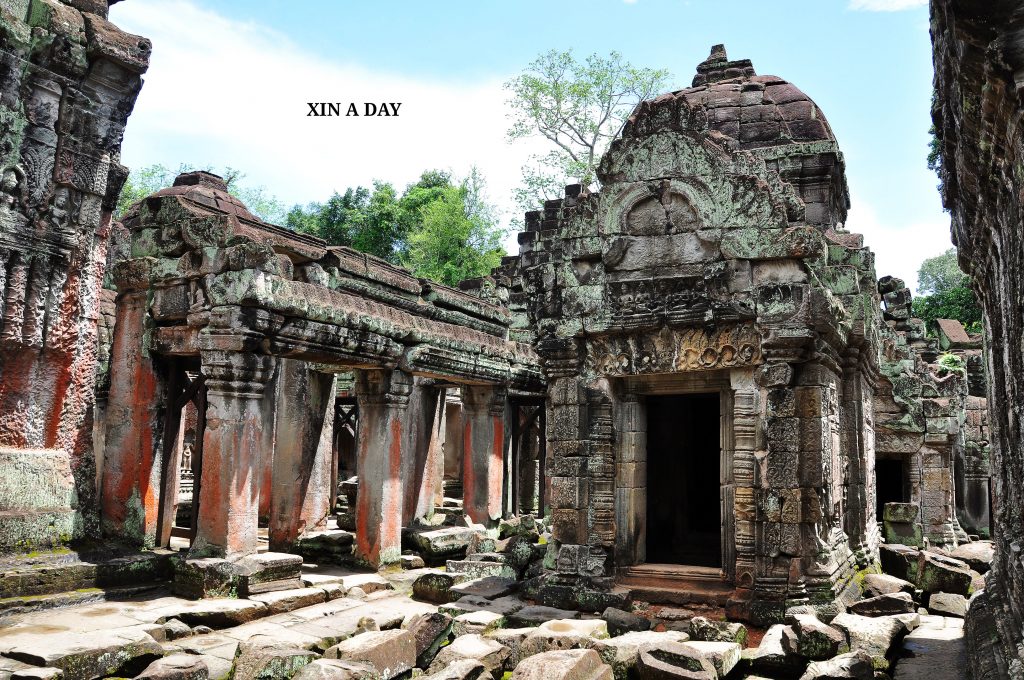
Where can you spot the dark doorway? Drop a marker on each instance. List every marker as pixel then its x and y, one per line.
pixel 890 483
pixel 683 480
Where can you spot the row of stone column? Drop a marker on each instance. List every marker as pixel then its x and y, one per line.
pixel 268 430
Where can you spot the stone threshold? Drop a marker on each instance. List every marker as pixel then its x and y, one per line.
pixel 675 584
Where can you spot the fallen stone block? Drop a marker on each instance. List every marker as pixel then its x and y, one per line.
pixel 717 631
pixel 478 623
pixel 262 657
pixel 214 613
pixel 176 667
pixel 771 657
pixel 673 660
pixel 51 674
pixel 813 639
pixel 572 664
pixel 620 621
pixel 535 615
pixel 440 544
pixel 724 656
pixel 82 656
pixel 849 666
pixel 940 574
pixel 490 587
pixel 899 560
pixel 435 587
pixel 335 669
pixel 563 634
pixel 947 604
pixel 368 583
pixel 429 632
pixel 884 584
pixel 473 603
pixel 885 605
pixel 512 638
pixel 488 652
pixel 281 601
pixel 391 652
pixel 175 630
pixel 977 555
pixel 623 651
pixel 875 635
pixel 464 669
pixel 411 562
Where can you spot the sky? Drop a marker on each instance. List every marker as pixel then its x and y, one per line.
pixel 230 80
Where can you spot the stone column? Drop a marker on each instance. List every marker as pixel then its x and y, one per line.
pixel 383 411
pixel 424 493
pixel 484 416
pixel 134 438
pixel 453 455
pixel 300 497
pixel 232 458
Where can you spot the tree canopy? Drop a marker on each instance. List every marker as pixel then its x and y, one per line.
pixel 946 293
pixel 579 107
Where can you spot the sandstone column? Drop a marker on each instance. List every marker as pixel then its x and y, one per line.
pixel 424 492
pixel 232 470
pixel 484 409
pixel 301 493
pixel 383 411
pixel 134 437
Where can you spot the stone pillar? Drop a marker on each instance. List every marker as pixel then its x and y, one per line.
pixel 232 457
pixel 300 497
pixel 484 415
pixel 134 438
pixel 746 415
pixel 383 414
pixel 631 481
pixel 424 492
pixel 268 415
pixel 453 453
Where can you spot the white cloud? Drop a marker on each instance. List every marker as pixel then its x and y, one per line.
pixel 886 5
pixel 899 250
pixel 228 93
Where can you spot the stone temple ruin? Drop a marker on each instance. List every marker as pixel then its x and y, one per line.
pixel 694 376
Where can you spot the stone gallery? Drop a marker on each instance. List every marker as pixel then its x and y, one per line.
pixel 688 407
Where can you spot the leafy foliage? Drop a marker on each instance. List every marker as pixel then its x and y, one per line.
pixel 152 178
pixel 947 294
pixel 577 106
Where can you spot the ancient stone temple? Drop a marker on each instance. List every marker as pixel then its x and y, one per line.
pixel 977 114
pixel 721 374
pixel 68 81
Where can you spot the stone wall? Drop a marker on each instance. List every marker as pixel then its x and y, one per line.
pixel 68 81
pixel 978 55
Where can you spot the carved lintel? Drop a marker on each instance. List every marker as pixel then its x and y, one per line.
pixel 672 350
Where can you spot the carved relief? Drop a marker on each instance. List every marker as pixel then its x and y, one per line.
pixel 674 350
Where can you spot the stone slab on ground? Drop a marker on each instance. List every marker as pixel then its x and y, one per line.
pixel 335 669
pixel 573 664
pixel 490 653
pixel 674 660
pixel 874 635
pixel 622 652
pixel 724 656
pixel 391 652
pixel 177 667
pixel 934 651
pixel 851 666
pixel 534 615
pixel 263 656
pixel 978 555
pixel 85 655
pixel 884 584
pixel 490 587
pixel 884 605
pixel 472 603
pixel 947 604
pixel 465 669
pixel 287 600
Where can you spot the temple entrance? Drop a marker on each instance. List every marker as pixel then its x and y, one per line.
pixel 890 483
pixel 684 523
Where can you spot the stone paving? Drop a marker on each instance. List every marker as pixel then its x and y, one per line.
pixel 935 651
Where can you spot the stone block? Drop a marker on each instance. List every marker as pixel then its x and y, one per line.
pixel 883 584
pixel 490 653
pixel 814 639
pixel 463 669
pixel 176 667
pixel 620 622
pixel 664 661
pixel 885 605
pixel 947 604
pixel 850 666
pixel 874 635
pixel 435 587
pixel 264 657
pixel 574 664
pixel 335 669
pixel 391 652
pixel 622 652
pixel 535 615
pixel 939 574
pixel 430 631
pixel 706 630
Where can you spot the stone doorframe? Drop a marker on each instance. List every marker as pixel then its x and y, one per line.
pixel 736 390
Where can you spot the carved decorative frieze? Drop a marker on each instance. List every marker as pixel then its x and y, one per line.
pixel 673 350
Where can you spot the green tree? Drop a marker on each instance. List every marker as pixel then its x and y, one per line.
pixel 577 106
pixel 336 221
pixel 457 236
pixel 153 178
pixel 946 293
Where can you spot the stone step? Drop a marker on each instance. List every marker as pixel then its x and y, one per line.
pixel 675 584
pixel 10 606
pixel 333 546
pixel 67 571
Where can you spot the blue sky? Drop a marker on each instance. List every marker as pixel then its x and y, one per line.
pixel 230 79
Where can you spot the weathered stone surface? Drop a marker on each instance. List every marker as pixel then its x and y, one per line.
pixel 899 561
pixel 287 600
pixel 435 587
pixel 978 555
pixel 673 660
pixel 947 604
pixel 478 622
pixel 884 605
pixel 463 669
pixel 91 654
pixel 391 652
pixel 623 651
pixel 874 635
pixel 40 674
pixel 574 664
pixel 814 640
pixel 850 666
pixel 488 652
pixel 620 621
pixel 429 631
pixel 535 615
pixel 177 667
pixel 563 634
pixel 938 574
pixel 771 657
pixel 490 587
pixel 335 669
pixel 884 584
pixel 705 630
pixel 262 657
pixel 724 656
